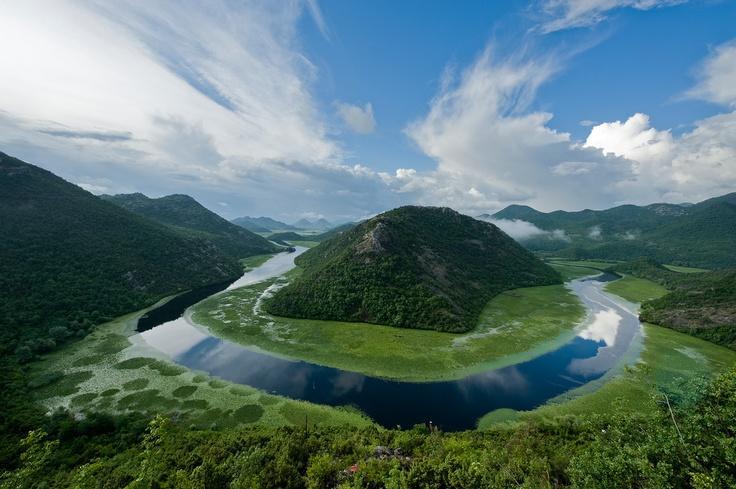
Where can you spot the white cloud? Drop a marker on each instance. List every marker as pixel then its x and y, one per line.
pixel 693 166
pixel 569 14
pixel 718 77
pixel 482 135
pixel 522 230
pixel 595 232
pixel 185 89
pixel 358 119
pixel 634 139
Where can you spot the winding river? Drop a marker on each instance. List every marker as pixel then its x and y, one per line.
pixel 607 334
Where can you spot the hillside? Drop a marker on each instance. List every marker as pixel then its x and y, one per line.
pixel 398 269
pixel 702 235
pixel 261 224
pixel 185 214
pixel 69 260
pixel 700 304
pixel 307 225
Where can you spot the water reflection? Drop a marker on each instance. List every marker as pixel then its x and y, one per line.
pixel 452 405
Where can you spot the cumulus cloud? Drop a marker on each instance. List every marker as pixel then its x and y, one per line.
pixel 358 119
pixel 569 14
pixel 483 136
pixel 693 166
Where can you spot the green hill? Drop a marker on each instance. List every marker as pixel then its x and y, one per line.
pixel 185 214
pixel 700 304
pixel 413 267
pixel 69 260
pixel 701 235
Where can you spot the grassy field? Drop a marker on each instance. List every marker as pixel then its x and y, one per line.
pixel 635 289
pixel 670 362
pixel 679 269
pixel 254 261
pixel 597 264
pixel 106 372
pixel 514 326
pixel 570 272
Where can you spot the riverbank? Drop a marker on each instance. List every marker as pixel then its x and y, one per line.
pixel 106 372
pixel 670 362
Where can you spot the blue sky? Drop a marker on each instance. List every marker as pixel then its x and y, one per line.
pixel 343 109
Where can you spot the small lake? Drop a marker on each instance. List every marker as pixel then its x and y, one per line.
pixel 601 342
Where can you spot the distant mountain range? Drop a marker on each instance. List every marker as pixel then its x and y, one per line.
pixel 268 225
pixel 186 215
pixel 70 260
pixel 413 267
pixel 702 234
pixel 262 224
pixel 316 225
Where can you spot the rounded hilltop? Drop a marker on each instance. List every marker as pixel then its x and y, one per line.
pixel 411 267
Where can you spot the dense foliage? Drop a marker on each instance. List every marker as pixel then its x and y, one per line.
pixel 700 304
pixel 703 234
pixel 414 267
pixel 683 445
pixel 69 260
pixel 186 215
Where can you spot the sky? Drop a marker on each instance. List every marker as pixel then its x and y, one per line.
pixel 344 109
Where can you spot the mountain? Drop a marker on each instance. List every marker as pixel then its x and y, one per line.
pixel 185 214
pixel 320 224
pixel 261 224
pixel 701 235
pixel 70 260
pixel 413 267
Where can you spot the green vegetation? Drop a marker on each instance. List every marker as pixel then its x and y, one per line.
pixel 83 260
pixel 514 326
pixel 679 443
pixel 152 386
pixel 635 289
pixel 704 307
pixel 398 269
pixel 184 214
pixel 701 235
pixel 701 304
pixel 677 269
pixel 253 262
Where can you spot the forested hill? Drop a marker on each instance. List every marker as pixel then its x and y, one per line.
pixel 414 267
pixel 700 304
pixel 701 235
pixel 69 260
pixel 186 214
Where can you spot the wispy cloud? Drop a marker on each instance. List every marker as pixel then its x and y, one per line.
pixel 570 14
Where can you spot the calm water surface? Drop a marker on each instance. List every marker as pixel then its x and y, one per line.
pixel 453 405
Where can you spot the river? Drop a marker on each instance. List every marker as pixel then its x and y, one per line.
pixel 607 334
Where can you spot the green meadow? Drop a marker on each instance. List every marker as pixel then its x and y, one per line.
pixel 514 326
